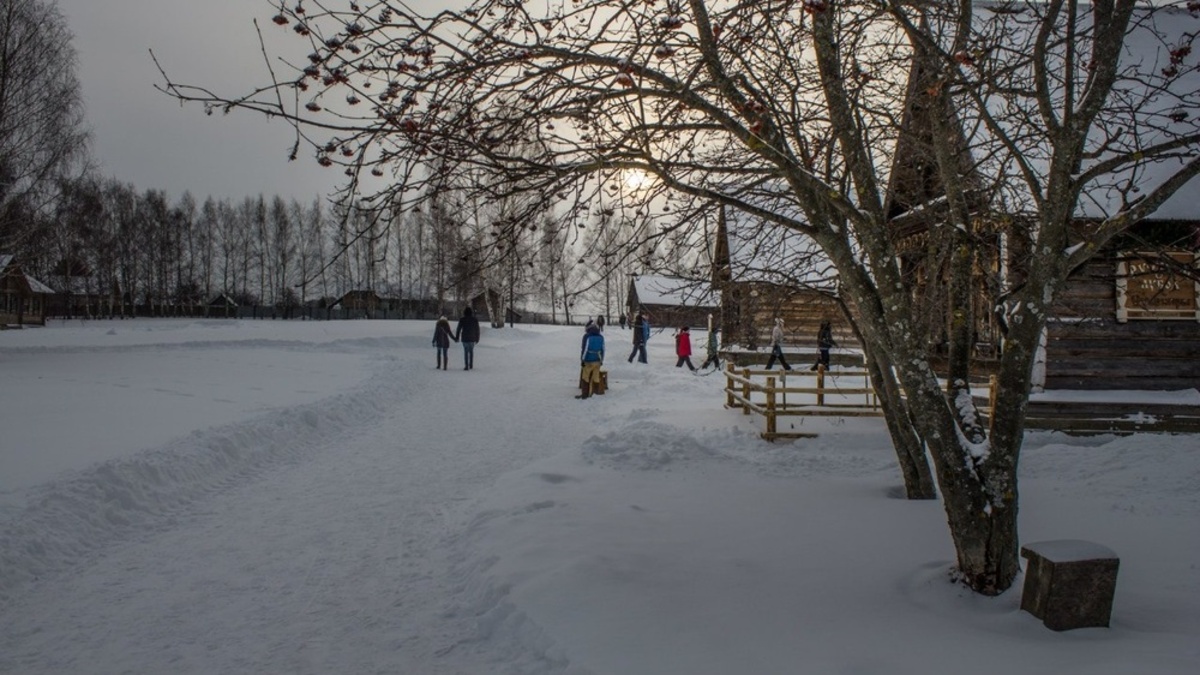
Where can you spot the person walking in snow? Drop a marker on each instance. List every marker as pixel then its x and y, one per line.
pixel 622 320
pixel 441 340
pixel 600 323
pixel 711 349
pixel 641 329
pixel 591 358
pixel 683 349
pixel 777 346
pixel 468 331
pixel 824 344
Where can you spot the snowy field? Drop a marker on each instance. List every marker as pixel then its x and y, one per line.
pixel 199 497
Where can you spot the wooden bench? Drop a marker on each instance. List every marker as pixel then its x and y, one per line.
pixel 1069 583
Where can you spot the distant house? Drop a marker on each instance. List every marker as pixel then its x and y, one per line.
pixel 485 300
pixel 78 291
pixel 222 300
pixel 360 300
pixel 671 301
pixel 762 273
pixel 22 297
pixel 222 305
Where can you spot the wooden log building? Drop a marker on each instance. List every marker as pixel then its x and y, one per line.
pixel 23 299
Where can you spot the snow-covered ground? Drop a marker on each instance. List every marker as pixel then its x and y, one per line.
pixel 311 497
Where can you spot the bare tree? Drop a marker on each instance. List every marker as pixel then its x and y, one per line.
pixel 283 250
pixel 187 292
pixel 310 247
pixel 42 134
pixel 798 113
pixel 121 205
pixel 208 231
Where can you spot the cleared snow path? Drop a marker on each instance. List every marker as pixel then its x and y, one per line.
pixel 324 538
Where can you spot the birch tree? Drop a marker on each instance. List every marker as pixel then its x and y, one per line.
pixel 43 139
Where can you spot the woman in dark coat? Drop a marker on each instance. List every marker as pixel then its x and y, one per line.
pixel 824 344
pixel 441 340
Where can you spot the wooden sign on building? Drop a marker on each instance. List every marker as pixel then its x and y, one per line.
pixel 1147 287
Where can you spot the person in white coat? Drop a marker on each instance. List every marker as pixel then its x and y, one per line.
pixel 777 346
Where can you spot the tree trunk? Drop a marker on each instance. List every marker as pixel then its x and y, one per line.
pixel 977 482
pixel 976 479
pixel 910 451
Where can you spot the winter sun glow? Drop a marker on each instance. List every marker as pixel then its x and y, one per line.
pixel 635 179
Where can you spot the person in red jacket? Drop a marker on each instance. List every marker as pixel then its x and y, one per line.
pixel 683 348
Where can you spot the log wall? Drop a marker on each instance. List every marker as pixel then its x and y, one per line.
pixel 1088 349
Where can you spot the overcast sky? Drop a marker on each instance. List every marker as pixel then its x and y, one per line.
pixel 145 138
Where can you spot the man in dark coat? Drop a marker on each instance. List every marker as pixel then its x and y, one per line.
pixel 467 332
pixel 640 329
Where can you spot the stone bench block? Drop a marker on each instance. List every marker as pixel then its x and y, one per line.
pixel 1069 583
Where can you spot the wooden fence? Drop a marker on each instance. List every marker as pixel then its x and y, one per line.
pixel 848 393
pixel 840 392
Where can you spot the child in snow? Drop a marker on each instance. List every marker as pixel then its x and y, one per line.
pixel 591 357
pixel 683 348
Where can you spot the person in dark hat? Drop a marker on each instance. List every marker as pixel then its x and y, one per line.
pixel 640 331
pixel 468 332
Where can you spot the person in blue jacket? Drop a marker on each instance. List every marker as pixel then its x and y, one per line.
pixel 591 357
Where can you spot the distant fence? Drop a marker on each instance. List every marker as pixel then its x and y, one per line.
pixel 267 312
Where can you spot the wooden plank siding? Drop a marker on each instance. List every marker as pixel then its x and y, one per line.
pixel 749 310
pixel 1087 348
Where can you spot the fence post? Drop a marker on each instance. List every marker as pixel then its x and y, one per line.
pixel 771 407
pixel 746 391
pixel 821 384
pixel 728 385
pixel 992 382
pixel 783 386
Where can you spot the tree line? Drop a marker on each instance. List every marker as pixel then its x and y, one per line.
pixel 71 227
pixel 164 254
